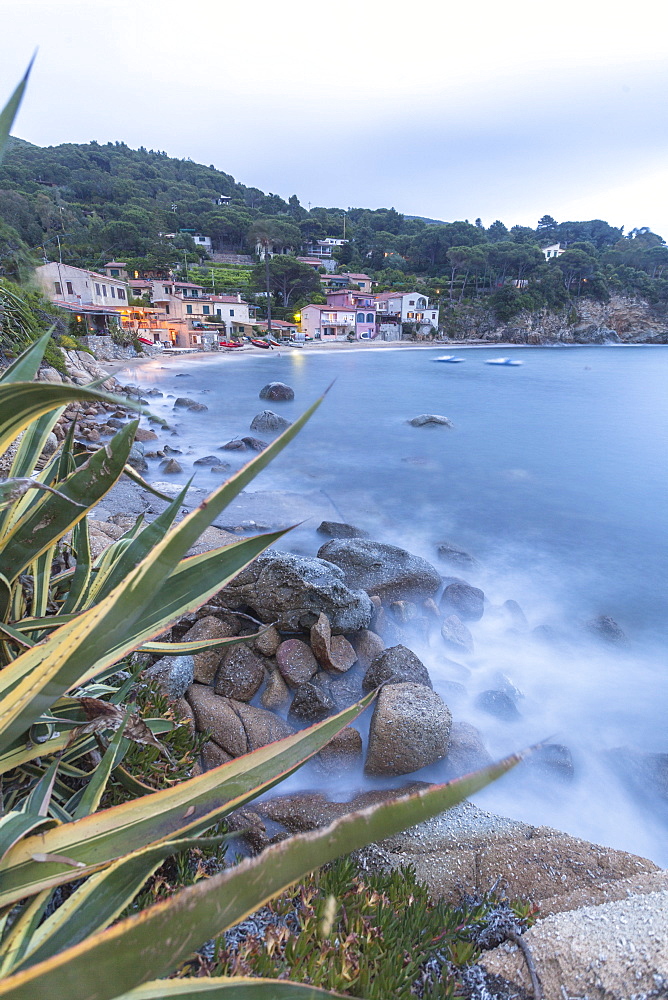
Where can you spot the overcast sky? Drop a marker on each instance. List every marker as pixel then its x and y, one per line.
pixel 441 109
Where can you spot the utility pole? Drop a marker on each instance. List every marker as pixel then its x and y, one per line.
pixel 266 273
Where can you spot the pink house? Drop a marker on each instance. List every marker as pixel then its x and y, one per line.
pixel 364 307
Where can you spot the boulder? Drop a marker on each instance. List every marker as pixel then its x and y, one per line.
pixel 296 662
pixel 174 674
pixel 311 703
pixel 216 715
pixel 236 445
pixel 184 402
pixel 261 727
pixel 136 457
pixel 277 391
pixel 453 554
pixel 293 591
pixel 213 756
pixel 276 693
pixel 197 408
pixel 267 643
pixel 463 600
pixel 142 434
pixel 170 466
pixel 467 751
pixel 385 570
pixel 240 674
pixel 368 645
pixel 339 529
pixel 430 420
pixel 396 665
pixel 207 663
pixel 345 689
pixel 456 635
pixel 254 444
pixel 499 704
pixel 410 729
pixel 606 628
pixel 207 460
pixel 552 759
pixel 342 751
pixel 334 653
pixel 268 422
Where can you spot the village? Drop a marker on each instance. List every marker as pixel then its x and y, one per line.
pixel 159 308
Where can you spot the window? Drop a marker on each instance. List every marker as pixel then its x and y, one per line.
pixel 113 291
pixel 121 293
pixel 411 302
pixel 167 308
pixel 189 310
pixel 115 273
pixel 168 289
pixel 70 289
pixel 219 312
pixel 231 312
pixel 97 288
pixel 58 287
pixel 411 315
pixel 370 318
pixel 194 293
pixel 104 290
pixel 206 310
pixel 360 317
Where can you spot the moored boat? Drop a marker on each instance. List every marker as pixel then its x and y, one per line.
pixel 503 361
pixel 450 359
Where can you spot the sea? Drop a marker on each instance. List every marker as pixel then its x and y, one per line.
pixel 554 476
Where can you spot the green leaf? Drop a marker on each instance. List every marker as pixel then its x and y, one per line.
pixel 33 443
pixel 134 475
pixel 94 790
pixel 192 805
pixel 194 646
pixel 94 969
pixel 103 897
pixel 232 988
pixel 14 826
pixel 9 112
pixel 82 573
pixel 53 516
pixel 37 802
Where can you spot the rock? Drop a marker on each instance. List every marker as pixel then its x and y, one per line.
pixel 410 729
pixel 430 419
pixel 240 675
pixel 456 635
pixel 513 611
pixel 645 772
pixel 136 457
pixel 171 466
pixel 174 674
pixel 453 554
pixel 277 391
pixel 211 538
pixel 268 421
pixel 207 663
pixel 276 693
pixel 321 637
pixel 404 611
pixel 467 602
pixel 396 665
pixel 332 652
pixel 311 703
pixel 606 628
pixel 50 445
pixel 142 434
pixel 615 951
pixel 168 450
pixel 261 727
pixel 467 751
pixel 236 445
pixel 294 590
pixel 197 408
pixel 368 645
pixel 184 402
pixel 554 759
pixel 378 568
pixel 254 444
pixel 342 751
pixel 296 662
pixel 116 422
pixel 499 704
pixel 213 756
pixel 338 529
pixel 267 643
pixel 216 715
pixel 207 460
pixel 221 468
pixel 345 689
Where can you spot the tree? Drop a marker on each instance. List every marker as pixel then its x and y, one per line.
pixel 546 230
pixel 497 232
pixel 287 277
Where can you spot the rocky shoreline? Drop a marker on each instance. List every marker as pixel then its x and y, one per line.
pixel 329 627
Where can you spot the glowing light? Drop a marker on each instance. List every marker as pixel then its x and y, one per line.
pixel 297 317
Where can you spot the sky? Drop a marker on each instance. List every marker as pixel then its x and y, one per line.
pixel 444 110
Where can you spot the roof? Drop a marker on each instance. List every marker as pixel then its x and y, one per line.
pixel 326 308
pixel 349 274
pixel 85 309
pixel 116 263
pixel 277 322
pixel 184 284
pixel 228 298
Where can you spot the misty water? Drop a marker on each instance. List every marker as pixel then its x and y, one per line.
pixel 554 477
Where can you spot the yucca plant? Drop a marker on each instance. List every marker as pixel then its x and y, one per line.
pixel 64 631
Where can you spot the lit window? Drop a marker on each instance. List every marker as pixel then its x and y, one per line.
pixel 58 287
pixel 70 289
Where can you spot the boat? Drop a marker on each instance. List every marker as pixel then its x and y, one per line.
pixel 503 361
pixel 450 359
pixel 260 343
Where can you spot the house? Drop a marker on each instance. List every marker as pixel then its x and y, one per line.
pixel 364 307
pixel 279 328
pixel 327 321
pixel 236 315
pixel 407 307
pixel 116 269
pixel 149 325
pixel 95 299
pixel 554 250
pixel 203 241
pixel 313 262
pixel 324 248
pixel 363 280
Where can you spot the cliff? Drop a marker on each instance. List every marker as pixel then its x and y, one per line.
pixel 620 320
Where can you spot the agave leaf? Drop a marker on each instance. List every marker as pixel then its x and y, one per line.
pixel 51 518
pixel 94 789
pixel 103 897
pixel 41 575
pixel 27 364
pixel 194 646
pixel 79 650
pixel 80 580
pixel 134 475
pixel 38 801
pixel 23 402
pixel 230 988
pixel 19 938
pixel 9 112
pixel 93 970
pixel 33 443
pixel 192 805
pixel 15 825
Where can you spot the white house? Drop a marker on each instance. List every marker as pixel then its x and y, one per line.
pixel 74 286
pixel 407 307
pixel 555 250
pixel 203 241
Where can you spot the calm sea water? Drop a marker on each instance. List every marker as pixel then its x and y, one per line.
pixel 555 477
